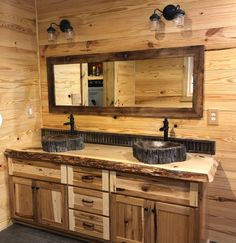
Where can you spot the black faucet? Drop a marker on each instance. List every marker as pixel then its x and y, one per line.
pixel 71 123
pixel 165 129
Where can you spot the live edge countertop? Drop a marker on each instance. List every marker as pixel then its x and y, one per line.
pixel 197 167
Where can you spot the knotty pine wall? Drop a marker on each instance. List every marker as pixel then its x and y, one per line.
pixel 105 26
pixel 19 85
pixel 160 83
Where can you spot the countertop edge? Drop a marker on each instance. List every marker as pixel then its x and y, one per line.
pixel 107 165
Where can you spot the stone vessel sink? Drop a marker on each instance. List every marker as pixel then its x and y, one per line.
pixel 159 152
pixel 62 142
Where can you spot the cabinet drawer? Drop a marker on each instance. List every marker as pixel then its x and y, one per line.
pixel 89 224
pixel 38 170
pixel 89 200
pixel 165 190
pixel 88 178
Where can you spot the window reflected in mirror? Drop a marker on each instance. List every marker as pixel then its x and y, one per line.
pixel 161 82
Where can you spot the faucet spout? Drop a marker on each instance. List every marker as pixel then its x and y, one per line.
pixel 165 129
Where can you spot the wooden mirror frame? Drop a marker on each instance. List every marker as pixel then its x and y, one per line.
pixel 197 52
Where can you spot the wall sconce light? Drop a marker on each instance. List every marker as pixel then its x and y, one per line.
pixel 155 20
pixel 65 26
pixel 170 12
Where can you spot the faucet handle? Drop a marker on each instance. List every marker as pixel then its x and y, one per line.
pixel 166 121
pixel 71 117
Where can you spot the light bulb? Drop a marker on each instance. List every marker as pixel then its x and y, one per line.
pixel 69 34
pixel 179 20
pixel 155 25
pixel 51 33
pixel 51 36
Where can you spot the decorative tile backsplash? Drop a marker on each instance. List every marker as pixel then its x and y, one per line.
pixel 192 145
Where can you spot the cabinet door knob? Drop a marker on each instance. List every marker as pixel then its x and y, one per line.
pixel 145 188
pixel 146 210
pixel 35 188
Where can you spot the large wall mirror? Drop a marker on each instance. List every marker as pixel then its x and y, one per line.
pixel 150 83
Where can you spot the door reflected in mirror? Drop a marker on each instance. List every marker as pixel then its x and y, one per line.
pixel 160 82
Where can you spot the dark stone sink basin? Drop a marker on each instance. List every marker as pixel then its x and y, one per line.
pixel 62 142
pixel 159 152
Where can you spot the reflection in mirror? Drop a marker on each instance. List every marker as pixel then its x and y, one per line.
pixel 164 82
pixel 67 84
pixel 160 82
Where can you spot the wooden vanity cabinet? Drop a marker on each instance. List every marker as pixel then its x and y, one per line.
pixel 38 193
pixel 52 204
pixel 144 221
pixel 127 219
pixel 88 178
pixel 39 202
pixel 88 195
pixel 106 206
pixel 22 198
pixel 174 223
pixel 39 170
pixel 153 210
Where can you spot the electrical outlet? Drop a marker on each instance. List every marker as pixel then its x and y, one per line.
pixel 213 117
pixel 30 112
pixel 1 120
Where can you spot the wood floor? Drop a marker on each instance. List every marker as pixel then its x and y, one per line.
pixel 22 234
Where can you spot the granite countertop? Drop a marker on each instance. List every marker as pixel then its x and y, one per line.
pixel 197 167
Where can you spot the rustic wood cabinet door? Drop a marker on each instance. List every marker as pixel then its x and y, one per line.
pixel 51 204
pixel 174 224
pixel 127 221
pixel 22 198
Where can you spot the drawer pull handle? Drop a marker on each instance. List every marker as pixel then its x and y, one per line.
pixel 88 226
pixel 87 201
pixel 120 189
pixel 87 178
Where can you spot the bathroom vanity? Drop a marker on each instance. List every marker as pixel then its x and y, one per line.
pixel 103 194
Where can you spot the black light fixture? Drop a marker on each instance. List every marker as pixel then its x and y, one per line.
pixel 155 20
pixel 65 26
pixel 170 12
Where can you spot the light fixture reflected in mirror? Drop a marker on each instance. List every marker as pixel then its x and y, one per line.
pixel 170 12
pixel 65 26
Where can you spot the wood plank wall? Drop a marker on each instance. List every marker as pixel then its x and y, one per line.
pixel 160 83
pixel 19 85
pixel 104 26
